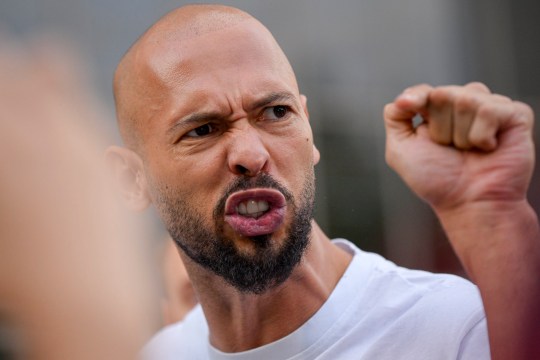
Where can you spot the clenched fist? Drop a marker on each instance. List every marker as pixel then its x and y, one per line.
pixel 472 159
pixel 472 145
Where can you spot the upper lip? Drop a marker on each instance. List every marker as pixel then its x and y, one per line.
pixel 274 198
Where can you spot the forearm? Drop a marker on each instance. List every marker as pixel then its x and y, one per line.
pixel 499 246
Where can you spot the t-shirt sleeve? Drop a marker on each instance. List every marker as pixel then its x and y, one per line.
pixel 475 344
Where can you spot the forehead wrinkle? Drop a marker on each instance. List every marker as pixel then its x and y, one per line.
pixel 201 117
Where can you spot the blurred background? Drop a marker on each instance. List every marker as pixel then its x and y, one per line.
pixel 351 58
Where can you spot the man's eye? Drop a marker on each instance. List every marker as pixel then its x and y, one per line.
pixel 276 112
pixel 202 130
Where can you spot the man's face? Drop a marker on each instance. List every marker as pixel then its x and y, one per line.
pixel 228 154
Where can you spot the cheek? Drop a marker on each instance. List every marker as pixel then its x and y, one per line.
pixel 198 178
pixel 190 171
pixel 294 160
pixel 299 148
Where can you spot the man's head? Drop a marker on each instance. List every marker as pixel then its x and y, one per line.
pixel 218 139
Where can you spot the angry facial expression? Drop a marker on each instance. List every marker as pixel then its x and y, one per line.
pixel 228 153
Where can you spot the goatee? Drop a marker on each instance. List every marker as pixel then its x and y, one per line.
pixel 273 260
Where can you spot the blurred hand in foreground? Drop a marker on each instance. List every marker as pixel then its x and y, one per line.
pixel 73 280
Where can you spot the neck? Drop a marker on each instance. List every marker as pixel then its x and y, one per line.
pixel 238 321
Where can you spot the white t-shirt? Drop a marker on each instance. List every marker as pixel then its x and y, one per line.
pixel 377 311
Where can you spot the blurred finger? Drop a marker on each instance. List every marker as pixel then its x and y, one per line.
pixel 441 115
pixel 465 108
pixel 496 117
pixel 483 133
pixel 397 121
pixel 414 99
pixel 501 98
pixel 478 86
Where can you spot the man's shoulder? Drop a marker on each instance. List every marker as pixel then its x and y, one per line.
pixel 375 268
pixel 418 310
pixel 425 296
pixel 187 337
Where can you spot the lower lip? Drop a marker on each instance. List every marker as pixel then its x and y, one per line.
pixel 265 224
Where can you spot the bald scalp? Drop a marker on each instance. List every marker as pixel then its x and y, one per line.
pixel 181 24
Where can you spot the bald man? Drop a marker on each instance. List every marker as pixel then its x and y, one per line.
pixel 217 138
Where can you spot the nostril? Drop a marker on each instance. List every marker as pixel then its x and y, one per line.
pixel 241 170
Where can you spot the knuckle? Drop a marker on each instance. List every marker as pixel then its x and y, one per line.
pixel 440 96
pixel 487 112
pixel 523 113
pixel 417 87
pixel 478 86
pixel 465 103
pixel 424 86
pixel 501 98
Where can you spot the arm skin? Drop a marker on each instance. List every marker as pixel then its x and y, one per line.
pixel 472 160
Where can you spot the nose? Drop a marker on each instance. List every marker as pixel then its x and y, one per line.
pixel 247 154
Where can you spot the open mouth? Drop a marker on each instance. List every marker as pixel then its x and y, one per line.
pixel 256 211
pixel 253 208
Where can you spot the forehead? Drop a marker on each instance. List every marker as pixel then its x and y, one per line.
pixel 243 57
pixel 172 76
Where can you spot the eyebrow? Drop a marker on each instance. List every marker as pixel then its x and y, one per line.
pixel 272 98
pixel 194 119
pixel 203 117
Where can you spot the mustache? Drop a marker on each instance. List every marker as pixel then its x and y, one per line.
pixel 262 180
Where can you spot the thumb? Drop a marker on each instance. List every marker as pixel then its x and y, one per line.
pixel 398 121
pixel 398 115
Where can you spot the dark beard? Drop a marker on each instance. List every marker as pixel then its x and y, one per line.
pixel 255 273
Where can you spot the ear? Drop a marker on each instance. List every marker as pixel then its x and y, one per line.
pixel 128 172
pixel 303 101
pixel 316 153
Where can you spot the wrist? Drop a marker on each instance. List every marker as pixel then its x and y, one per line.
pixel 486 211
pixel 490 230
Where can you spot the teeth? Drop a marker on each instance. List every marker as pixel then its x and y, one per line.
pixel 242 209
pixel 263 206
pixel 252 208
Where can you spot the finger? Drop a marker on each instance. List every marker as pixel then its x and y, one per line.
pixel 478 86
pixel 523 115
pixel 398 116
pixel 414 99
pixel 441 103
pixel 465 106
pixel 494 118
pixel 451 112
pixel 398 121
pixel 501 98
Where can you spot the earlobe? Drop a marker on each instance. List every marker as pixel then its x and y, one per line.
pixel 316 155
pixel 303 100
pixel 128 173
